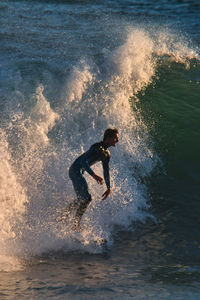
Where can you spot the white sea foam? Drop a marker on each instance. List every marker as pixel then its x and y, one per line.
pixel 35 186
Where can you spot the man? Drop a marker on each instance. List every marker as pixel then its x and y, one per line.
pixel 97 152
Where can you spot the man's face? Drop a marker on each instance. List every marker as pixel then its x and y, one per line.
pixel 114 140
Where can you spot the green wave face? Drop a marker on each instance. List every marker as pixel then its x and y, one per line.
pixel 171 110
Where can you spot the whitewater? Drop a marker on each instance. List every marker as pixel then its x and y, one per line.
pixel 38 144
pixel 69 70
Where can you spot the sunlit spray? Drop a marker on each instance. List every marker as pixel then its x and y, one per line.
pixel 39 142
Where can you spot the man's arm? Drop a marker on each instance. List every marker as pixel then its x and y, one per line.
pixel 106 174
pixel 84 162
pixel 87 168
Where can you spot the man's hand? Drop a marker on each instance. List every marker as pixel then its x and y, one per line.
pixel 98 179
pixel 106 194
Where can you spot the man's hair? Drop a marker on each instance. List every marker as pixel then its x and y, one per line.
pixel 110 133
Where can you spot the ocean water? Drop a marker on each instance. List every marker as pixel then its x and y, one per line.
pixel 69 69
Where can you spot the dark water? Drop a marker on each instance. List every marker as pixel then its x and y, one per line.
pixel 69 69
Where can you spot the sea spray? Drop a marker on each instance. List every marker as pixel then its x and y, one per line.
pixel 93 101
pixel 12 206
pixel 93 98
pixel 13 196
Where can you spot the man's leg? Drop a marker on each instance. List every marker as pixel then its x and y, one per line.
pixel 83 198
pixel 80 211
pixel 70 208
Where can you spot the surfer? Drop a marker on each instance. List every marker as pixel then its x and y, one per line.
pixel 97 152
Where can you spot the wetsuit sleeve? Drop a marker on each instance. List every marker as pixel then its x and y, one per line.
pixel 84 162
pixel 106 172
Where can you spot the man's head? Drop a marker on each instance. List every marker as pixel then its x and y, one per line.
pixel 111 137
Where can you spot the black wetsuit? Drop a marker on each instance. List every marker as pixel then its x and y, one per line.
pixel 97 152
